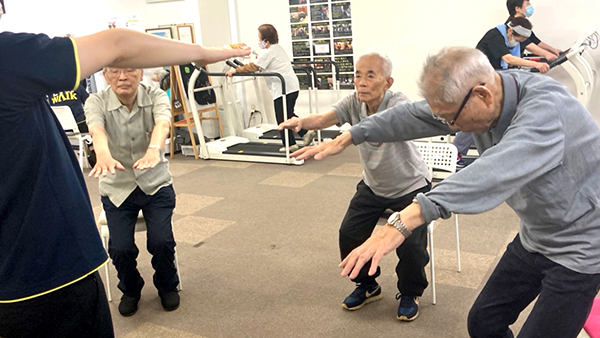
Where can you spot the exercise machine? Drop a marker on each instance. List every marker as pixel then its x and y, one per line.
pixel 235 147
pixel 579 64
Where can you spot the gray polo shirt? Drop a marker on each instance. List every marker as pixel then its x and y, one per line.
pixel 391 169
pixel 542 158
pixel 128 136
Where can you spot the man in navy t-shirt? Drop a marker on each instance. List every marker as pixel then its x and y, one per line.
pixel 50 249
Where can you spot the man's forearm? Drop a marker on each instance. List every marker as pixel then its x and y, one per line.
pixel 100 140
pixel 403 122
pixel 319 121
pixel 411 216
pixel 159 133
pixel 126 48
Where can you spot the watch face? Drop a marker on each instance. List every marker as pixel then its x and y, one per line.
pixel 392 218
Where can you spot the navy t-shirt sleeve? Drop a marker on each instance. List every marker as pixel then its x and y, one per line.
pixel 32 66
pixel 82 94
pixel 533 38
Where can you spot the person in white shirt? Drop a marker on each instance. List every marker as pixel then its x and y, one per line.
pixel 274 59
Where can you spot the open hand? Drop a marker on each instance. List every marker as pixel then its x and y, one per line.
pixel 149 161
pixel 104 165
pixel 324 149
pixel 378 245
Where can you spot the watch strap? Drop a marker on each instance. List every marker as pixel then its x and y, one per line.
pixel 400 226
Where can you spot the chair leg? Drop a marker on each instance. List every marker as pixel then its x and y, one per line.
pixel 458 267
pixel 106 267
pixel 179 288
pixel 81 152
pixel 431 261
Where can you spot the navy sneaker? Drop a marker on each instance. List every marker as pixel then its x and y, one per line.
pixel 408 310
pixel 460 162
pixel 361 296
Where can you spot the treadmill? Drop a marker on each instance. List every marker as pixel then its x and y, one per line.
pixel 233 147
pixel 274 134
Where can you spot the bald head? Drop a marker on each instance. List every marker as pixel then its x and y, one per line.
pixel 449 74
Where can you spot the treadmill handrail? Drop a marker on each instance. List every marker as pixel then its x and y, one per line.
pixel 263 74
pixel 562 58
pixel 308 70
pixel 337 69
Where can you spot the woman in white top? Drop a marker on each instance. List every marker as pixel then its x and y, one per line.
pixel 274 59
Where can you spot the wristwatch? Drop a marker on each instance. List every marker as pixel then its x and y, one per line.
pixel 397 223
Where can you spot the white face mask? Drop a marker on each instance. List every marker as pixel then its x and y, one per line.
pixel 512 43
pixel 262 44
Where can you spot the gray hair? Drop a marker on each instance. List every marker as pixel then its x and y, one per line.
pixel 161 73
pixel 386 63
pixel 448 75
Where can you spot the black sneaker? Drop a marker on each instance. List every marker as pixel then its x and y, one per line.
pixel 169 300
pixel 128 305
pixel 408 310
pixel 361 296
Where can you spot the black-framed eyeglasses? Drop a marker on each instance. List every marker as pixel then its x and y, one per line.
pixel 462 105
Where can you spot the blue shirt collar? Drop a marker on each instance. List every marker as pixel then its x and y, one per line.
pixel 509 105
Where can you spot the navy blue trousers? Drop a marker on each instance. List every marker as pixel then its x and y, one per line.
pixel 158 212
pixel 565 297
pixel 77 310
pixel 362 216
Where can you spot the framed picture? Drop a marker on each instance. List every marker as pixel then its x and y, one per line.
pixel 298 14
pixel 164 32
pixel 185 33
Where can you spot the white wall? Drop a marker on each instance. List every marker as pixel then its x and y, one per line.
pixel 83 17
pixel 409 30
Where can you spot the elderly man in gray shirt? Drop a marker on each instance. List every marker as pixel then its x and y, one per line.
pixel 393 175
pixel 516 117
pixel 129 123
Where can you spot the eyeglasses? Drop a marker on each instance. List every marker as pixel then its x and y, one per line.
pixel 462 105
pixel 116 72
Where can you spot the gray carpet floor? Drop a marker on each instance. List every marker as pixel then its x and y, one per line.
pixel 258 255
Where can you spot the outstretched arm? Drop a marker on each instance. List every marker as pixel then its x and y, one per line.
pixel 324 149
pixel 517 61
pixel 157 142
pixel 311 122
pixel 538 50
pixel 105 162
pixel 126 48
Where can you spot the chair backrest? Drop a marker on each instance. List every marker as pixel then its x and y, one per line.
pixel 438 156
pixel 66 119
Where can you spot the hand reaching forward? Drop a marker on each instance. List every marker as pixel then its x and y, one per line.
pixel 294 123
pixel 378 245
pixel 214 54
pixel 149 161
pixel 104 165
pixel 324 149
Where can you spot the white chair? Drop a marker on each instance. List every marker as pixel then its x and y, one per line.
pixel 69 125
pixel 140 225
pixel 439 156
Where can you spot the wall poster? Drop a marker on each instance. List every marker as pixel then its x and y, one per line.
pixel 321 30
